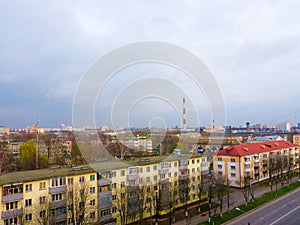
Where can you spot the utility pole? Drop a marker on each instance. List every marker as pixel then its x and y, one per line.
pixel 37 146
pixel 228 203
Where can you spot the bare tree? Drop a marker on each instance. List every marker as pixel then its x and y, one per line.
pixel 121 204
pixel 248 190
pixel 220 189
pixel 78 201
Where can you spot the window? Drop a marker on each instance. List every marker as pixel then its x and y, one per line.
pixel 232 174
pixel 162 176
pixel 114 209
pixel 169 175
pixel 193 170
pixel 28 217
pixel 42 199
pixel 57 197
pixel 141 169
pixel 43 214
pixel 232 160
pixel 220 173
pixel 133 170
pixel 148 168
pixel 175 164
pixel 92 177
pixel 122 184
pixel 114 185
pixel 28 187
pixel 155 167
pixel 148 179
pixel 220 159
pixel 122 173
pixel 219 166
pixel 175 174
pixel 28 202
pixel 232 167
pixel 92 215
pixel 193 161
pixel 113 174
pixel 104 212
pixel 42 185
pixel 155 177
pixel 92 190
pixel 11 205
pixel 114 197
pixel 70 180
pixel 81 179
pixel 92 202
pixel 57 182
pixel 106 199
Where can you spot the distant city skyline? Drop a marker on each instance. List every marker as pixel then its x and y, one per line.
pixel 252 49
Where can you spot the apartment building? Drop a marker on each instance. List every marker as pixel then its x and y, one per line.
pixel 118 193
pixel 253 160
pixel 144 189
pixel 59 196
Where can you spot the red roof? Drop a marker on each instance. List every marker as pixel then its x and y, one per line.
pixel 255 148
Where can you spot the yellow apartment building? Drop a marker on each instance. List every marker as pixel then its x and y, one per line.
pixel 253 160
pixel 49 196
pixel 110 193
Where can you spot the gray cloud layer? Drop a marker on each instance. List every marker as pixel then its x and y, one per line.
pixel 252 48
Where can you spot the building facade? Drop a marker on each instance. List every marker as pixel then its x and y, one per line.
pixel 117 193
pixel 255 160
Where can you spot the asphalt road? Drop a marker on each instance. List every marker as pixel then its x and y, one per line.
pixel 285 210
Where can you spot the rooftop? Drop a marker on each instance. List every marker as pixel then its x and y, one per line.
pixel 41 174
pixel 255 148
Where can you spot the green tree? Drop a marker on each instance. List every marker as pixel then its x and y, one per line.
pixel 28 156
pixel 27 151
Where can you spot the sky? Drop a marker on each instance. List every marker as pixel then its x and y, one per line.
pixel 252 48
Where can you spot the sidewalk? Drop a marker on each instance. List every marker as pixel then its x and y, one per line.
pixel 235 199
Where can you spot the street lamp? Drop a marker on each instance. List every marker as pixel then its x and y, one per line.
pixel 238 209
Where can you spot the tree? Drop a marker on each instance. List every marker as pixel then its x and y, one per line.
pixel 43 212
pixel 28 156
pixel 221 189
pixel 121 203
pixel 248 190
pixel 78 201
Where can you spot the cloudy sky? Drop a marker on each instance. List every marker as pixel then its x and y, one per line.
pixel 251 47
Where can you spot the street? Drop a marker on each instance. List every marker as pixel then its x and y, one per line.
pixel 285 210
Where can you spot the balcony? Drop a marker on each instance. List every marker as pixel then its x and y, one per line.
pixel 105 193
pixel 247 162
pixel 12 213
pixel 60 217
pixel 56 204
pixel 133 176
pixel 183 177
pixel 256 160
pixel 103 182
pixel 105 218
pixel 105 205
pixel 12 198
pixel 133 188
pixel 256 164
pixel 183 167
pixel 60 189
pixel 164 181
pixel 164 171
pixel 205 164
pixel 247 169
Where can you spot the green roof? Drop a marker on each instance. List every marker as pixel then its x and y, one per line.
pixel 32 175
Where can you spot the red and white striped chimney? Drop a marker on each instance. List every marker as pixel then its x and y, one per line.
pixel 184 115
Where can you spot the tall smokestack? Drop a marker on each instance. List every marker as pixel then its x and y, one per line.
pixel 184 115
pixel 248 127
